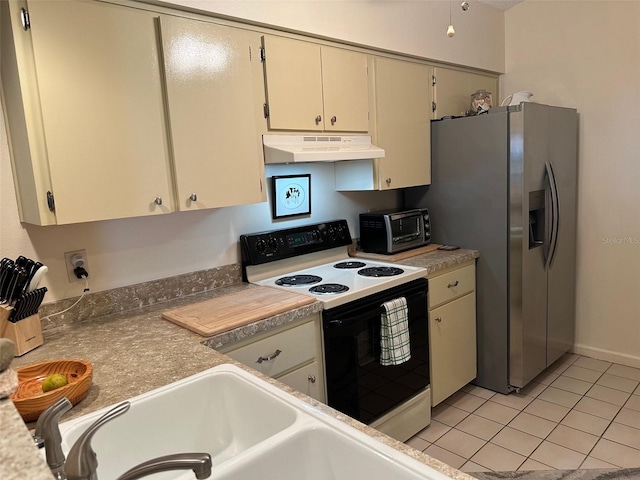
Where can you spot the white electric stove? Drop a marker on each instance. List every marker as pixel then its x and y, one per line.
pixel 314 261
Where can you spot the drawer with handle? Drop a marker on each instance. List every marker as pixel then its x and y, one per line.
pixel 451 285
pixel 280 352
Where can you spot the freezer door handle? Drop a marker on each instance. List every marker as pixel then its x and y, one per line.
pixel 555 215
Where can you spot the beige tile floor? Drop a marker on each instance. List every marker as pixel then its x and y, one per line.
pixel 579 413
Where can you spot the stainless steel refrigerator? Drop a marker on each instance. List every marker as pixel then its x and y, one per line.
pixel 505 183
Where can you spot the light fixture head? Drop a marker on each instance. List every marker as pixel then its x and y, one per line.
pixel 450 31
pixel 464 6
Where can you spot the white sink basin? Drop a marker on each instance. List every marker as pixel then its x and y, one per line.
pixel 221 412
pixel 322 453
pixel 252 430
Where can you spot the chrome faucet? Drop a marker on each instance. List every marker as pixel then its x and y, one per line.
pixel 82 462
pixel 48 434
pixel 200 463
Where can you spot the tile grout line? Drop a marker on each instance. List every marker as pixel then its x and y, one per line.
pixel 557 423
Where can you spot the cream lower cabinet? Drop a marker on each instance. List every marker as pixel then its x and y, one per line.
pixel 453 89
pixel 452 331
pixel 291 354
pixel 400 100
pixel 315 87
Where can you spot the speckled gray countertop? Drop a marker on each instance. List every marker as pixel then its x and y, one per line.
pixel 596 474
pixel 136 351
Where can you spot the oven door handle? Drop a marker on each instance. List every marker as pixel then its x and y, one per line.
pixel 348 320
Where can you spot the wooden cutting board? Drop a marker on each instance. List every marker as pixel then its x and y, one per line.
pixel 234 310
pixel 395 257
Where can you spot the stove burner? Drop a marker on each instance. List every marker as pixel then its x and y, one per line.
pixel 328 289
pixel 380 271
pixel 294 280
pixel 345 265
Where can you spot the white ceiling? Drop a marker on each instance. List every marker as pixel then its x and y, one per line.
pixel 501 4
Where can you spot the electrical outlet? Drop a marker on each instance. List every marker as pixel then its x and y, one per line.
pixel 77 258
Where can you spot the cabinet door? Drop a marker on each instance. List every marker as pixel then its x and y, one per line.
pixel 453 90
pixel 102 109
pixel 452 353
pixel 211 113
pixel 345 90
pixel 402 122
pixel 308 380
pixel 293 78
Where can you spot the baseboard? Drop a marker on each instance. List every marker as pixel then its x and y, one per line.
pixel 607 355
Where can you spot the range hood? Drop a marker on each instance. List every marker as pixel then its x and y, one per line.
pixel 318 148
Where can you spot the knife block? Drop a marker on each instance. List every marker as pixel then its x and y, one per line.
pixel 26 334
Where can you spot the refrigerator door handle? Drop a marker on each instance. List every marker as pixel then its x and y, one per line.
pixel 557 214
pixel 555 223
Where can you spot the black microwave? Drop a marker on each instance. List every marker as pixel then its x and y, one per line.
pixel 392 231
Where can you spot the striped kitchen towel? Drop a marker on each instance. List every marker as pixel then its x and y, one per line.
pixel 394 333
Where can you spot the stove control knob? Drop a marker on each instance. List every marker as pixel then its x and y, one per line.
pixel 261 246
pixel 273 244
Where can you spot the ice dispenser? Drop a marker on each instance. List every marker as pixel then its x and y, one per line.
pixel 536 218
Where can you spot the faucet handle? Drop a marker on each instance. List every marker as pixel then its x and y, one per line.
pixel 82 462
pixel 48 433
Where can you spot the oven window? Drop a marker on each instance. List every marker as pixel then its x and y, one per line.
pixel 366 350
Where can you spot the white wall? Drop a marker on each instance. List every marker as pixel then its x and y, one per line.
pixel 415 27
pixel 125 252
pixel 586 54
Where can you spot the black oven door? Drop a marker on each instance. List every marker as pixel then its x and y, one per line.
pixel 357 384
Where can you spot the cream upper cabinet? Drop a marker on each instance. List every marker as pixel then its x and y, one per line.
pixel 402 118
pixel 315 88
pixel 400 95
pixel 345 90
pixel 209 71
pixel 452 331
pixel 84 101
pixel 453 89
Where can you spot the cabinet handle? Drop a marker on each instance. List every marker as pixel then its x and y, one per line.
pixel 318 119
pixel 388 180
pixel 312 378
pixel 268 358
pixel 193 197
pixel 438 319
pixel 158 201
pixel 454 284
pixel 24 19
pixel 334 119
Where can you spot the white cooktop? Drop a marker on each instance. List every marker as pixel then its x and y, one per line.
pixel 359 286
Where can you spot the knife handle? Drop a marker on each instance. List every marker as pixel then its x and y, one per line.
pixel 37 277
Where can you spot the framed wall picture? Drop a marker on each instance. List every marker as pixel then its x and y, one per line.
pixel 291 195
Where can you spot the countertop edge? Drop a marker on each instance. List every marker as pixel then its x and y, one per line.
pixel 124 346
